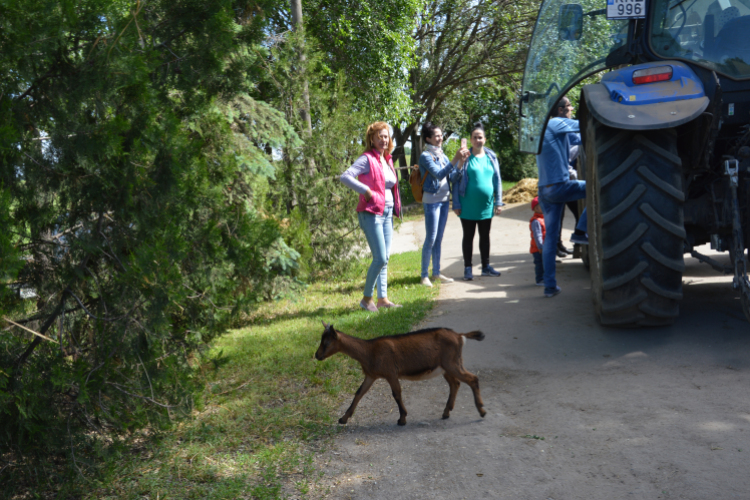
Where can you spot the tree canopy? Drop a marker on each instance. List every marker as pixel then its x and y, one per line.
pixel 158 180
pixel 462 47
pixel 129 155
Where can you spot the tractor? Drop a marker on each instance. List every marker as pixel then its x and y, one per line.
pixel 664 114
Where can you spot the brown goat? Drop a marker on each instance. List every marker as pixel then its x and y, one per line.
pixel 417 355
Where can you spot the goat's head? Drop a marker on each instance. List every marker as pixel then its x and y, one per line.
pixel 328 343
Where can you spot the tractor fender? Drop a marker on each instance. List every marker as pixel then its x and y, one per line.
pixel 619 103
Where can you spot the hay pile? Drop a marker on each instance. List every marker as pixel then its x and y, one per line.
pixel 523 192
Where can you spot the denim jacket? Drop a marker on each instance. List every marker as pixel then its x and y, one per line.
pixel 437 170
pixel 460 179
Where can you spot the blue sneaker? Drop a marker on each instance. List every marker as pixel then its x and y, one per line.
pixel 580 239
pixel 468 275
pixel 551 292
pixel 490 271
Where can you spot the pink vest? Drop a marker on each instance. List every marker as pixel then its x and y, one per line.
pixel 375 180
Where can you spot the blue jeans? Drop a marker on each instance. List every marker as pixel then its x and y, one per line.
pixel 435 217
pixel 378 230
pixel 553 199
pixel 538 267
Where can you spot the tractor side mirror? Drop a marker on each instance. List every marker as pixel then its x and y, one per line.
pixel 570 22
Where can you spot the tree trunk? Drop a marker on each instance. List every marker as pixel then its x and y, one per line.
pixel 305 111
pixel 416 145
pixel 401 136
pixel 399 153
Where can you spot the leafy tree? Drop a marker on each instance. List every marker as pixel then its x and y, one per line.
pixel 318 212
pixel 371 42
pixel 131 162
pixel 495 105
pixel 461 45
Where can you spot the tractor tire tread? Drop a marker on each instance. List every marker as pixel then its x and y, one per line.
pixel 636 229
pixel 627 303
pixel 626 242
pixel 654 179
pixel 620 170
pixel 628 202
pixel 662 292
pixel 674 264
pixel 668 226
pixel 620 280
pixel 653 147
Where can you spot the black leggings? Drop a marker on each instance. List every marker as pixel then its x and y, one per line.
pixel 484 240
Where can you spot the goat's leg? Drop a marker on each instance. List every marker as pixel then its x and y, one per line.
pixel 357 396
pixel 454 385
pixel 396 390
pixel 472 381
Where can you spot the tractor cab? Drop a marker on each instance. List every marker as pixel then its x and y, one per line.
pixel 573 41
pixel 666 140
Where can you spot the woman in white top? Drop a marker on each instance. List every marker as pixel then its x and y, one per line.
pixel 435 198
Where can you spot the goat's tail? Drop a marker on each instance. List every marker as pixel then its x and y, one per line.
pixel 475 335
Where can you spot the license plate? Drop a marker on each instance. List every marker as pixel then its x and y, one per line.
pixel 626 9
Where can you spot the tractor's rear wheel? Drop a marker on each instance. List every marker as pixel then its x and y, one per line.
pixel 636 232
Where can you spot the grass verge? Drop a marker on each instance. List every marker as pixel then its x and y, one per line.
pixel 269 406
pixel 508 184
pixel 414 212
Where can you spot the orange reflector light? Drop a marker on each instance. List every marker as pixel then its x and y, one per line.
pixel 651 75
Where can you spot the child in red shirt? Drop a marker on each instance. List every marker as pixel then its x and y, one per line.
pixel 538 232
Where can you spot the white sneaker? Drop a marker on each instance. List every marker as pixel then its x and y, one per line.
pixel 426 282
pixel 443 278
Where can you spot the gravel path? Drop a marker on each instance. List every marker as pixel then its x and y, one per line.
pixel 576 411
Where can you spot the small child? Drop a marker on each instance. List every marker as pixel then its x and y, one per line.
pixel 538 232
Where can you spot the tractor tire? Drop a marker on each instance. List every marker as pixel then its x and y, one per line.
pixel 636 232
pixel 582 251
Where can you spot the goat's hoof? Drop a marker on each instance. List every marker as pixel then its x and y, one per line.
pixel 446 416
pixel 342 421
pixel 483 412
pixel 401 422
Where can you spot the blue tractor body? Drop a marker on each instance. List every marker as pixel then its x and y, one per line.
pixel 683 84
pixel 665 123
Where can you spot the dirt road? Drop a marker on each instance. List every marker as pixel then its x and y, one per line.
pixel 576 411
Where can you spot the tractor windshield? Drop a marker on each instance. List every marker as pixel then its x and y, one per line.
pixel 710 33
pixel 571 41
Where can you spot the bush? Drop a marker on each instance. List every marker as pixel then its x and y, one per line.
pixel 134 230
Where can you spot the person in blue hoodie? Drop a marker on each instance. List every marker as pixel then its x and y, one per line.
pixel 477 197
pixel 435 198
pixel 557 188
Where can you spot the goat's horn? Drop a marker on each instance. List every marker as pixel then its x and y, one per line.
pixel 324 323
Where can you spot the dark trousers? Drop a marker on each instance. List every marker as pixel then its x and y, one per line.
pixel 538 267
pixel 467 245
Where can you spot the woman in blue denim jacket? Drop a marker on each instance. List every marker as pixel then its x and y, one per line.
pixel 477 196
pixel 435 198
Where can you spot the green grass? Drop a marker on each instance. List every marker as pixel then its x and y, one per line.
pixel 269 406
pixel 508 184
pixel 414 213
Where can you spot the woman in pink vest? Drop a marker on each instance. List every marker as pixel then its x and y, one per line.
pixel 375 179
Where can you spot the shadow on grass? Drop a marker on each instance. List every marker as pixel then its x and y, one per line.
pixel 268 406
pixel 353 314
